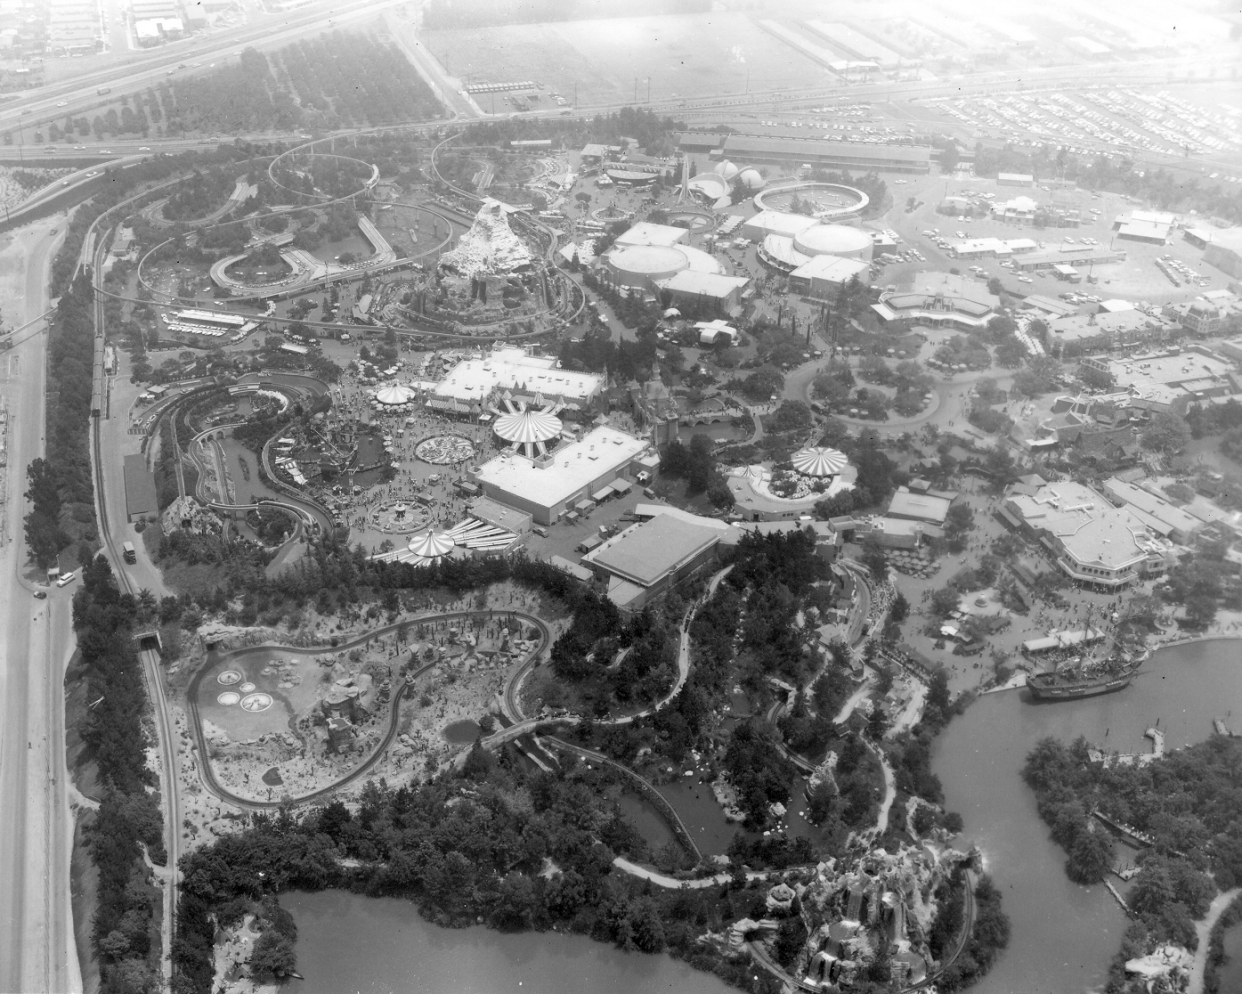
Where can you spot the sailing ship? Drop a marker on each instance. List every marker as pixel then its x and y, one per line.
pixel 1105 671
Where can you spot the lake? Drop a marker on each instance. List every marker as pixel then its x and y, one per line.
pixel 347 942
pixel 1064 935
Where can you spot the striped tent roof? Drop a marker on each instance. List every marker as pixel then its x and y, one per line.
pixel 817 461
pixel 431 544
pixel 528 427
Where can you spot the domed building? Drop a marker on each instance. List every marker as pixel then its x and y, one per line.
pixel 834 239
pixel 727 171
pixel 642 266
pixel 750 180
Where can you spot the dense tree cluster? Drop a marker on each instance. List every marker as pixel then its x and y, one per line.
pixel 465 848
pixel 1103 172
pixel 696 464
pixel 128 815
pixel 338 80
pixel 1188 801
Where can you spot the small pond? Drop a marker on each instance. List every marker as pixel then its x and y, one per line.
pixel 462 732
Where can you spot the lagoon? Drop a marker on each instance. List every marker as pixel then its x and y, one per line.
pixel 347 943
pixel 1065 935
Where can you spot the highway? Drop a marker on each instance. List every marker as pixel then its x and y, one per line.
pixel 138 70
pixel 37 951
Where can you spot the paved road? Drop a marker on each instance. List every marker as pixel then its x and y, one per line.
pixel 37 950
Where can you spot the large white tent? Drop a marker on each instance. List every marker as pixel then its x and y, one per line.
pixel 817 461
pixel 431 544
pixel 394 396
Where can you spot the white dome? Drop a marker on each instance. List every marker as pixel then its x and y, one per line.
pixel 751 179
pixel 726 170
pixel 834 239
pixel 395 395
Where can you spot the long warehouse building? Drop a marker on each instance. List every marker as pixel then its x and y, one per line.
pixel 816 151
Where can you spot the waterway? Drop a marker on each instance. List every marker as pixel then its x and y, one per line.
pixel 347 942
pixel 1230 972
pixel 1064 935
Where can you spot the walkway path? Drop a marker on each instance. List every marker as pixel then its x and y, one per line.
pixel 1204 930
pixel 890 792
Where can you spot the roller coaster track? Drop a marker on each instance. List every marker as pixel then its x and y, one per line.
pixel 207 774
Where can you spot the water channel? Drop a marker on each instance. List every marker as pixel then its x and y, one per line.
pixel 1063 935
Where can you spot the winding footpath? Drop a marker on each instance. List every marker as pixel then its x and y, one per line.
pixel 1203 929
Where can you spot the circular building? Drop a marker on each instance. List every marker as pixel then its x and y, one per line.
pixel 709 186
pixel 818 461
pixel 751 180
pixel 726 170
pixel 642 265
pixel 834 239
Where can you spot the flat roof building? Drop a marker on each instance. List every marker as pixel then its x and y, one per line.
pixel 645 560
pixel 140 496
pixel 1092 541
pixel 918 506
pixel 646 233
pixel 830 153
pixel 780 223
pixel 822 275
pixel 1015 179
pixel 1225 252
pixel 724 293
pixel 1077 255
pixel 940 299
pixel 475 382
pixel 562 481
pixel 1165 519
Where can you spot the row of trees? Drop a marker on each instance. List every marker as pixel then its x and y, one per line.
pixel 128 816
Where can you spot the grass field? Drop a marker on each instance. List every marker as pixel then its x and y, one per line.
pixel 684 56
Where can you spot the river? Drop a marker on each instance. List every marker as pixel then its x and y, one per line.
pixel 347 942
pixel 1064 935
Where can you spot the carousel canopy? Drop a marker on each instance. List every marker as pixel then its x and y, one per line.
pixel 815 461
pixel 431 543
pixel 395 395
pixel 528 427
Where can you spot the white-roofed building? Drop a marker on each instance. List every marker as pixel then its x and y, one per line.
pixel 776 223
pixel 473 384
pixel 823 275
pixel 646 233
pixel 1093 542
pixel 562 481
pixel 724 293
pixel 647 559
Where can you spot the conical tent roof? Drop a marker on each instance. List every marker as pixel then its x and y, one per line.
pixel 527 427
pixel 816 461
pixel 431 543
pixel 395 395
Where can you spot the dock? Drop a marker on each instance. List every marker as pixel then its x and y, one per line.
pixel 1157 739
pixel 1218 724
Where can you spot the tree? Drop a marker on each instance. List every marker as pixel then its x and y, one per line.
pixel 900 608
pixel 790 938
pixel 1167 434
pixel 1090 859
pixel 273 955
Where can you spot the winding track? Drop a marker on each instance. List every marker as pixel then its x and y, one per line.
pixel 208 775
